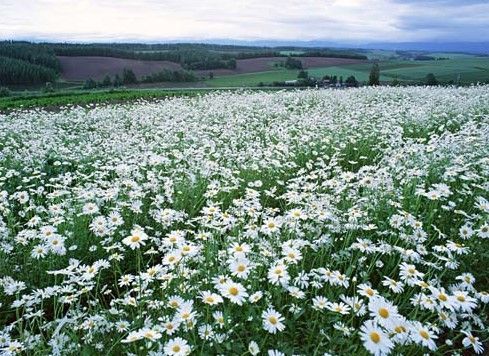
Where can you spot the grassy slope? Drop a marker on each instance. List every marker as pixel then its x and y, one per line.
pixel 470 68
pixel 252 79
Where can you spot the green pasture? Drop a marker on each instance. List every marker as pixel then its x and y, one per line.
pixel 471 69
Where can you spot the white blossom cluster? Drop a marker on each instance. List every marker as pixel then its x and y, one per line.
pixel 310 222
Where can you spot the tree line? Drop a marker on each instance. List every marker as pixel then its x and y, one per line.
pixel 36 63
pixel 30 52
pixel 331 54
pixel 191 59
pixel 27 63
pixel 191 56
pixel 16 71
pixel 128 77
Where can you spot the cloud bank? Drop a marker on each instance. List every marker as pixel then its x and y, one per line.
pixel 337 20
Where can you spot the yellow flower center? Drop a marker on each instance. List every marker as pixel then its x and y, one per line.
pixel 176 348
pixel 443 297
pixel 424 334
pixel 461 298
pixel 241 268
pixel 384 313
pixel 135 238
pixel 233 291
pixel 400 329
pixel 273 320
pixel 375 337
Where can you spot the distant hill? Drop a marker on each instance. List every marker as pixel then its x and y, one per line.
pixel 465 47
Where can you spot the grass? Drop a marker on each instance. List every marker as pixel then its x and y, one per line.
pixel 252 79
pixel 471 69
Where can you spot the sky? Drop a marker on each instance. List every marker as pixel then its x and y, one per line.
pixel 331 20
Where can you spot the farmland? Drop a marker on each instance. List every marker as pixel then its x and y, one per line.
pixel 251 72
pixel 471 69
pixel 311 222
pixel 70 67
pixel 84 67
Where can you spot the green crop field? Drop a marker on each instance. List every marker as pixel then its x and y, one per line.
pixel 470 68
pixel 252 79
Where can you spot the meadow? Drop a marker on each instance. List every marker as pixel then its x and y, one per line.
pixel 456 68
pixel 314 222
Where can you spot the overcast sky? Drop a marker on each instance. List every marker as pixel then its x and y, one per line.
pixel 336 20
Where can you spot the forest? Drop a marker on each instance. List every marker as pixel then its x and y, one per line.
pixel 27 63
pixel 35 63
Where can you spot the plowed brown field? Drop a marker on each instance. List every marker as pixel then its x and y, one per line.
pixel 81 68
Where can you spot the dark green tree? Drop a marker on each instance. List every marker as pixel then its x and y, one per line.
pixel 90 84
pixel 351 81
pixel 431 79
pixel 374 77
pixel 48 88
pixel 17 71
pixel 4 92
pixel 117 81
pixel 292 63
pixel 128 76
pixel 303 75
pixel 107 82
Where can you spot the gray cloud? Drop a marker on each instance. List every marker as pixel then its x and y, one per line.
pixel 346 20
